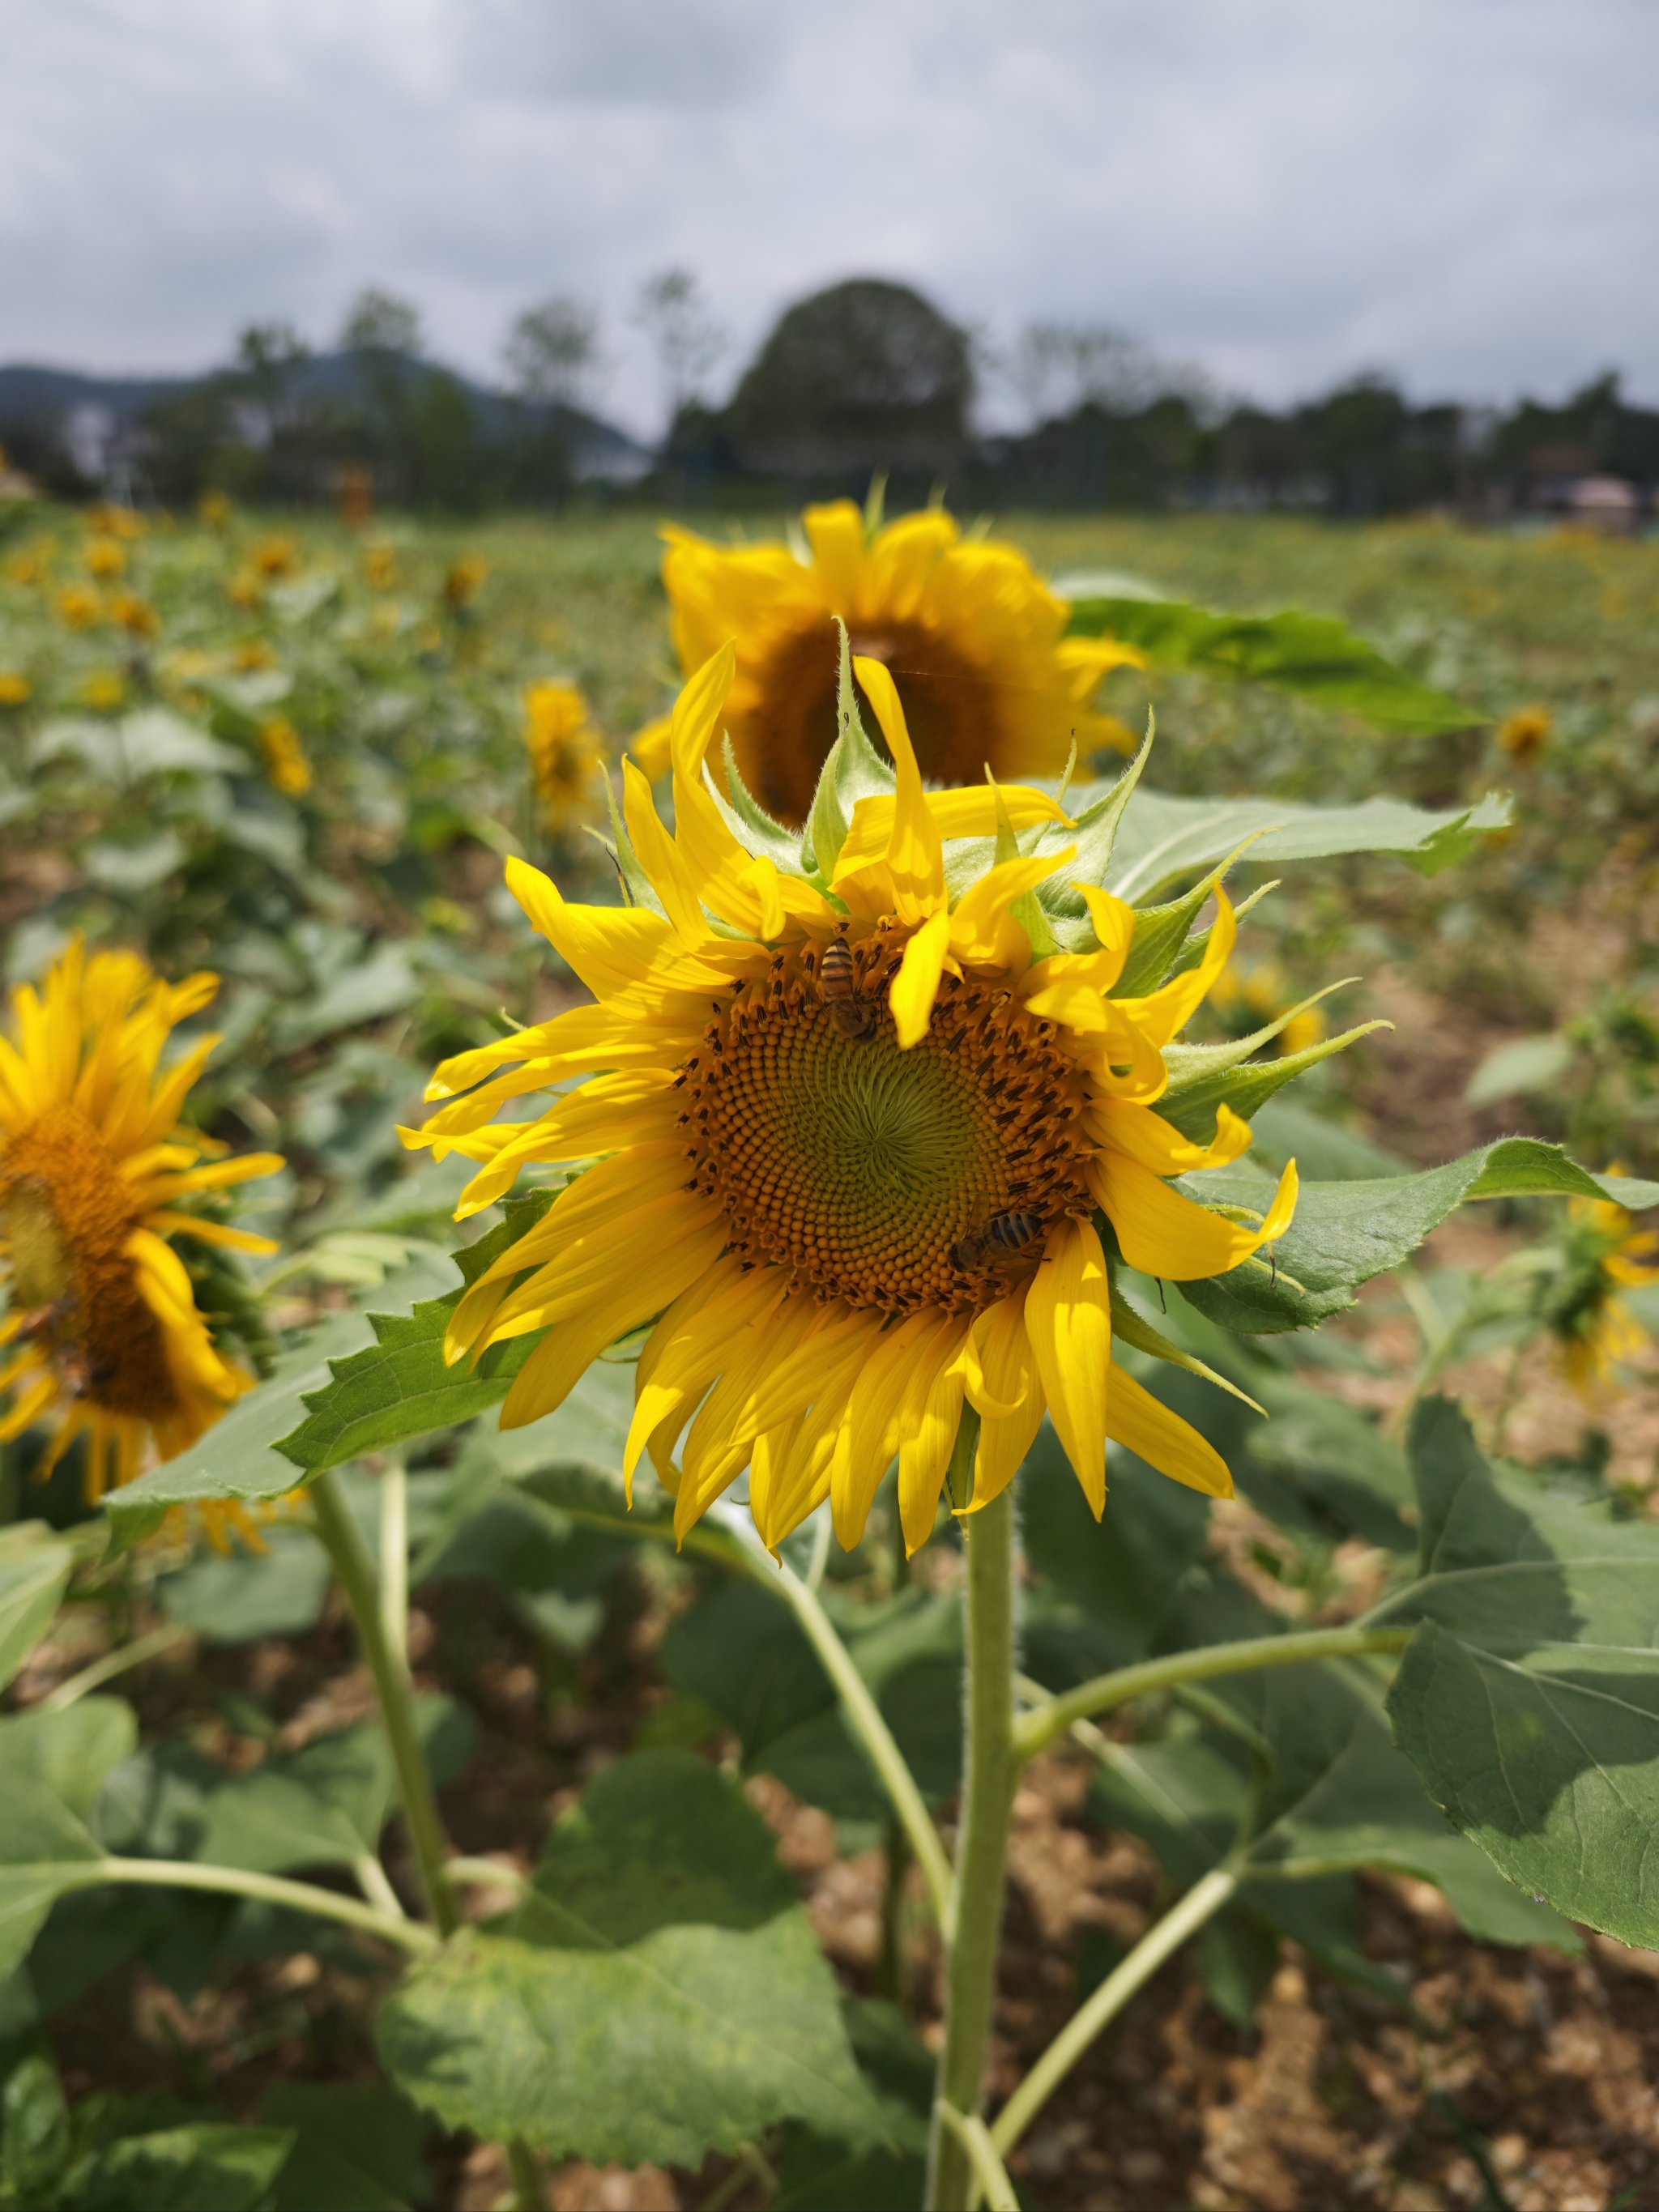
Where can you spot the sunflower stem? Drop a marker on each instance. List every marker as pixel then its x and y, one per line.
pixel 394 1560
pixel 340 1538
pixel 974 1926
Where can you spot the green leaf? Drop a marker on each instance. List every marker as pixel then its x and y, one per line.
pixel 659 1993
pixel 354 2149
pixel 34 2132
pixel 1524 1065
pixel 251 1595
pixel 384 983
pixel 1315 656
pixel 399 1387
pixel 816 2170
pixel 1163 838
pixel 237 1457
pixel 1528 1699
pixel 1345 1233
pixel 44 1853
pixel 853 769
pixel 70 1751
pixel 211 2166
pixel 34 1572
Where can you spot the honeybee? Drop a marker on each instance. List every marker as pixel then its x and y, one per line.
pixel 838 987
pixel 51 1327
pixel 999 1239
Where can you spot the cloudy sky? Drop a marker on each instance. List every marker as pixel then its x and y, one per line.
pixel 1464 192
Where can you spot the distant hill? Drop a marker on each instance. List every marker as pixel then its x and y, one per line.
pixel 89 411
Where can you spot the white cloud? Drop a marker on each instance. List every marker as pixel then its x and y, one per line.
pixel 1463 191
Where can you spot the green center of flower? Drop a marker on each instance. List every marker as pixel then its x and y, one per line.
pixel 904 1180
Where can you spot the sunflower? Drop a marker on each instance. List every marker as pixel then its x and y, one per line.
pixel 104 1337
pixel 563 748
pixel 1603 1253
pixel 971 636
pixel 287 763
pixel 1525 736
pixel 858 1144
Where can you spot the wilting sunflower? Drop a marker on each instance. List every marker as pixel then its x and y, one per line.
pixel 857 1143
pixel 563 747
pixel 98 1176
pixel 970 634
pixel 1603 1254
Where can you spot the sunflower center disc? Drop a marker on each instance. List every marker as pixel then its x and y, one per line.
pixel 67 1216
pixel 873 1173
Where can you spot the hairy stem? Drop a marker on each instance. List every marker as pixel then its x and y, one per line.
pixel 270 1888
pixel 1042 1727
pixel 1160 1941
pixel 340 1538
pixel 987 1794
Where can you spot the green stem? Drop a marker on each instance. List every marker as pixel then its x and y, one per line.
pixel 340 1539
pixel 863 1713
pixel 394 1560
pixel 987 1796
pixel 112 1663
pixel 1160 1942
pixel 233 1882
pixel 1038 1729
pixel 527 2170
pixel 991 2180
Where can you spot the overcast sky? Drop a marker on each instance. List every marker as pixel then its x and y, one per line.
pixel 1464 192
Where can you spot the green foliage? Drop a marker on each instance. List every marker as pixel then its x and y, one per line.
pixel 658 1995
pixel 1528 1699
pixel 34 1571
pixel 1313 655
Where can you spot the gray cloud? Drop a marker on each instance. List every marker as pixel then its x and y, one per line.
pixel 1463 191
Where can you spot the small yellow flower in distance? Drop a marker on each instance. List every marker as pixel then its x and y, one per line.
pixel 14 687
pixel 105 691
pixel 1593 1329
pixel 80 606
pixel 98 1176
pixel 854 1140
pixel 386 621
pixel 115 522
pixel 247 591
pixel 29 566
pixel 214 509
pixel 381 567
pixel 1302 1031
pixel 253 653
pixel 969 631
pixel 274 557
pixel 465 581
pixel 1526 735
pixel 135 615
pixel 563 748
pixel 105 558
pixel 286 760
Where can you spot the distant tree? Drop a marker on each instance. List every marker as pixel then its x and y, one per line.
pixel 1057 367
pixel 687 339
pixel 866 375
pixel 379 322
pixel 552 352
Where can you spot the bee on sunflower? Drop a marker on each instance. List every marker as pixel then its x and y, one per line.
pixel 972 638
pixel 870 1139
pixel 99 1177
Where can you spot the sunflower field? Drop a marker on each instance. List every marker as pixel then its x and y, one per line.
pixel 825 1377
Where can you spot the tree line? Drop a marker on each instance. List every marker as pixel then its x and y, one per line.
pixel 861 378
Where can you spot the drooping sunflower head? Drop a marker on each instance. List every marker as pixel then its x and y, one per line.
pixel 101 1181
pixel 563 747
pixel 970 634
pixel 1603 1254
pixel 874 1120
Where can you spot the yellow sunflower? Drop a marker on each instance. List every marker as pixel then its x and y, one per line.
pixel 563 748
pixel 1594 1330
pixel 97 1173
pixel 970 634
pixel 287 763
pixel 858 1140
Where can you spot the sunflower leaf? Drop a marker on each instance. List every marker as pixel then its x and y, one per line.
pixel 1528 1699
pixel 1199 1084
pixel 1346 1232
pixel 34 1572
pixel 853 769
pixel 1315 656
pixel 662 1944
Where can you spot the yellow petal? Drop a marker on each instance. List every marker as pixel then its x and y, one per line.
pixel 982 930
pixel 1163 1014
pixel 1148 1138
pixel 967 811
pixel 877 1392
pixel 915 987
pixel 1163 1439
pixel 915 857
pixel 1163 1233
pixel 1004 1390
pixel 929 1416
pixel 1068 1320
pixel 836 533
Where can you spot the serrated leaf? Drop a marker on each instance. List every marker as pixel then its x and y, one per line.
pixel 1315 656
pixel 658 1995
pixel 1205 1077
pixel 238 1458
pixel 1529 1699
pixel 34 1572
pixel 1163 838
pixel 1345 1233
